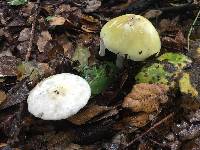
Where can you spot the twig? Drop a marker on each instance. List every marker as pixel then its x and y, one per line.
pixel 28 54
pixel 180 7
pixel 139 6
pixel 160 144
pixel 150 129
pixel 190 31
pixel 56 3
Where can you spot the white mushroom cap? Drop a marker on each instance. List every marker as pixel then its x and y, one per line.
pixel 130 34
pixel 59 96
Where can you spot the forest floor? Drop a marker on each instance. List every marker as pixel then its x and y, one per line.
pixel 46 37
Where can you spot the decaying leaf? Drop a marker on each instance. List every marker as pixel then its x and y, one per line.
pixel 73 146
pixel 178 60
pixel 85 115
pixel 60 140
pixel 44 37
pixel 8 66
pixel 186 86
pixel 34 71
pixel 24 35
pixel 146 97
pixel 2 145
pixel 81 54
pixel 66 44
pixel 16 95
pixel 138 120
pixel 152 14
pixel 92 5
pixel 56 20
pixel 155 73
pixel 2 96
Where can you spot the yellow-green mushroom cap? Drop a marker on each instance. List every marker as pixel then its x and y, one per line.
pixel 131 35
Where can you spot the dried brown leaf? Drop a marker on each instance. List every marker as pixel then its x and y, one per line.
pixel 146 97
pixel 60 140
pixel 87 114
pixel 16 95
pixel 2 96
pixel 92 5
pixel 24 35
pixel 138 120
pixel 167 25
pixel 66 45
pixel 57 20
pixel 44 37
pixel 27 9
pixel 8 66
pixel 2 145
pixel 152 13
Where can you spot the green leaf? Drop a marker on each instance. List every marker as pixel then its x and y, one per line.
pixel 99 77
pixel 178 60
pixel 153 74
pixel 17 2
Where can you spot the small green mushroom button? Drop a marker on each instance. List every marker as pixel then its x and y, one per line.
pixel 131 35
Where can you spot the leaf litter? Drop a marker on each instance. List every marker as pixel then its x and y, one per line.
pixel 66 39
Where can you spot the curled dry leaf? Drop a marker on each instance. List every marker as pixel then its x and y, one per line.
pixel 44 37
pixel 146 97
pixel 85 115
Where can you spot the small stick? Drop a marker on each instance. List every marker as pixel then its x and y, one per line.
pixel 190 31
pixel 150 129
pixel 28 54
pixel 187 6
pixel 160 144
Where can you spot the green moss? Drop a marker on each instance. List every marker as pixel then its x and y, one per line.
pixel 178 60
pixel 153 74
pixel 99 77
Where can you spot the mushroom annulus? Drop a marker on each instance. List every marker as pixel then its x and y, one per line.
pixel 131 35
pixel 59 96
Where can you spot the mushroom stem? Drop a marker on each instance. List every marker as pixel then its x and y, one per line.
pixel 102 48
pixel 119 61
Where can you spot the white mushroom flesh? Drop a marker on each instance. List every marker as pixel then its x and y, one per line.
pixel 58 97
